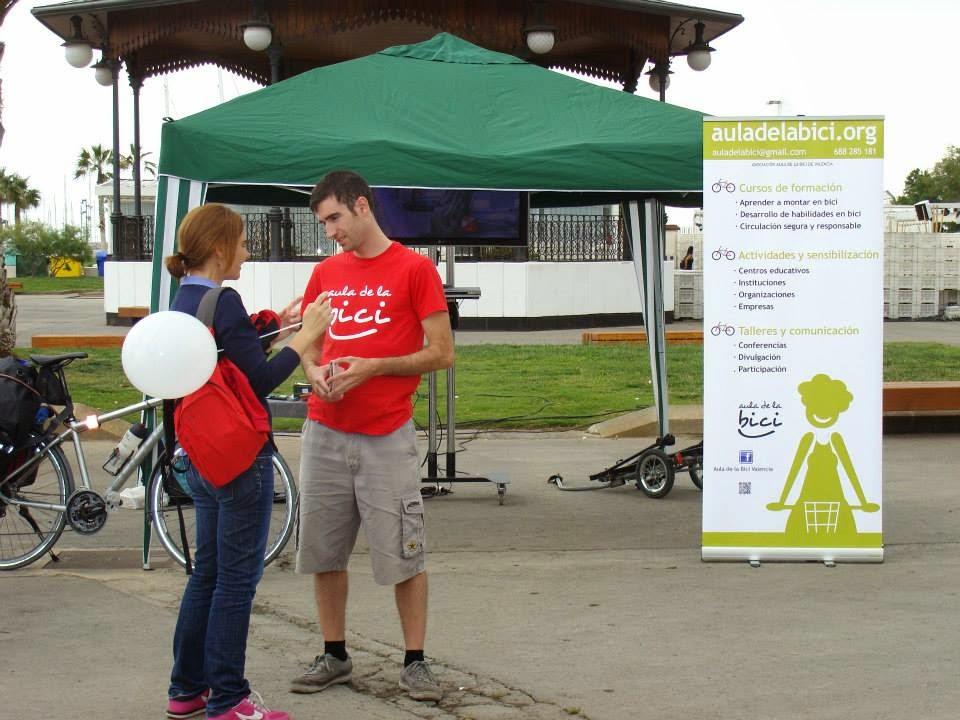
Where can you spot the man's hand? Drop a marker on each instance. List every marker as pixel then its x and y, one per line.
pixel 318 377
pixel 351 372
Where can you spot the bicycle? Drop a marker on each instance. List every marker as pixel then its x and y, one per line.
pixel 723 185
pixel 39 498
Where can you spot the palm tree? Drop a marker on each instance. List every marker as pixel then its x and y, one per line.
pixel 127 161
pixel 95 161
pixel 21 195
pixel 4 190
pixel 8 304
pixel 5 7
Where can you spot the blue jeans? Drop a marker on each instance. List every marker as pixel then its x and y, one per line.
pixel 210 642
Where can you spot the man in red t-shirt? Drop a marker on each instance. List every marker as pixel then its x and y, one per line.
pixel 359 462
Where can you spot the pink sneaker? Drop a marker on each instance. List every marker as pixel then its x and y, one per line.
pixel 194 707
pixel 252 708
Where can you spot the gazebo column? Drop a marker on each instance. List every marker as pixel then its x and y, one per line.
pixel 136 83
pixel 631 75
pixel 116 214
pixel 275 54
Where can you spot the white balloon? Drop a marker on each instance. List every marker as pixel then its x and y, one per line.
pixel 168 354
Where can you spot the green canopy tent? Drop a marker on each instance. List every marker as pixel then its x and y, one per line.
pixel 443 114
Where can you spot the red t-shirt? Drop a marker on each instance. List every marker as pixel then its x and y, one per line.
pixel 379 304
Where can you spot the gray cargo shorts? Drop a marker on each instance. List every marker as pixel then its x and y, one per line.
pixel 349 479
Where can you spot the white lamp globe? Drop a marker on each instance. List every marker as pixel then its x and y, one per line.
pixel 103 74
pixel 655 82
pixel 78 54
pixel 257 37
pixel 168 354
pixel 698 60
pixel 540 41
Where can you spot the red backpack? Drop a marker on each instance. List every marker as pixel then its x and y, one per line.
pixel 222 426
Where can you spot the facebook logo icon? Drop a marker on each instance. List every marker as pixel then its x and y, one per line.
pixel 746 457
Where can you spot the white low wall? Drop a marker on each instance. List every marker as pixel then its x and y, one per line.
pixel 507 290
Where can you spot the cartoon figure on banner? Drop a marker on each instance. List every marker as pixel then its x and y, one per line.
pixel 821 514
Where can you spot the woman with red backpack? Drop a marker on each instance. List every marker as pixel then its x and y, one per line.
pixel 232 520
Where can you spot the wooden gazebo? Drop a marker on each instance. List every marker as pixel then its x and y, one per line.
pixel 612 40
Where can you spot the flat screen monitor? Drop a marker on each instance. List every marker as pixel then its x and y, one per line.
pixel 422 217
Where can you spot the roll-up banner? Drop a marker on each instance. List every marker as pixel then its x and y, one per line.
pixel 793 338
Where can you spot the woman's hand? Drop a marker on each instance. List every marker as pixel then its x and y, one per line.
pixel 317 317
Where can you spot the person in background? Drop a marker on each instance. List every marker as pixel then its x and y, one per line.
pixel 359 461
pixel 686 262
pixel 232 522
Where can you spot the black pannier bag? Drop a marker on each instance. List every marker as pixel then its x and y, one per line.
pixel 19 400
pixel 51 387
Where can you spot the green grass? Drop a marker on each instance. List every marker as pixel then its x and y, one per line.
pixel 534 386
pixel 920 361
pixel 51 285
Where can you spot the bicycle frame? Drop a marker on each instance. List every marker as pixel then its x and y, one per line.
pixel 74 428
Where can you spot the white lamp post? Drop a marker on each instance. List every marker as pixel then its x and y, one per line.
pixel 77 49
pixel 257 35
pixel 698 54
pixel 103 72
pixel 539 35
pixel 258 32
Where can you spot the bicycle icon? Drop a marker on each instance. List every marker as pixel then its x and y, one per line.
pixel 722 328
pixel 722 252
pixel 727 185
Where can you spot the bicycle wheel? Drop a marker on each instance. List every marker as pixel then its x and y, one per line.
pixel 26 533
pixel 166 523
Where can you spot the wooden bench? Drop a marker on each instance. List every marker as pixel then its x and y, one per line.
pixel 134 311
pixel 14 285
pixel 910 407
pixel 78 341
pixel 921 398
pixel 673 337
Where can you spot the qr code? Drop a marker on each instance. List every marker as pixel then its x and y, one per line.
pixel 744 488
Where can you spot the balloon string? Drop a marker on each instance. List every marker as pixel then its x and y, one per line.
pixel 275 332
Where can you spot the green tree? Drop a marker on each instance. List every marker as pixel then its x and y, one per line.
pixel 5 187
pixel 149 166
pixel 21 195
pixel 5 7
pixel 46 250
pixel 939 184
pixel 97 162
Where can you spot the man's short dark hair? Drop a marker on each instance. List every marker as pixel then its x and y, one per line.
pixel 344 185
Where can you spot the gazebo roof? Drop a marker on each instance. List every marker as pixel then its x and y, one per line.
pixel 609 39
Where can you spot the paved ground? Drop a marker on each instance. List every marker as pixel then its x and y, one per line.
pixel 554 605
pixel 593 604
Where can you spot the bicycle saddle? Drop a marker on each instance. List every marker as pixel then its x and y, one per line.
pixel 46 360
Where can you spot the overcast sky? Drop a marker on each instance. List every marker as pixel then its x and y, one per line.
pixel 816 57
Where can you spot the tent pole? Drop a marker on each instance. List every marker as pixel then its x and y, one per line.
pixel 451 377
pixel 646 235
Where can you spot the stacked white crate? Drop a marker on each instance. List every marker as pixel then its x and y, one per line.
pixel 916 267
pixel 948 288
pixel 688 294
